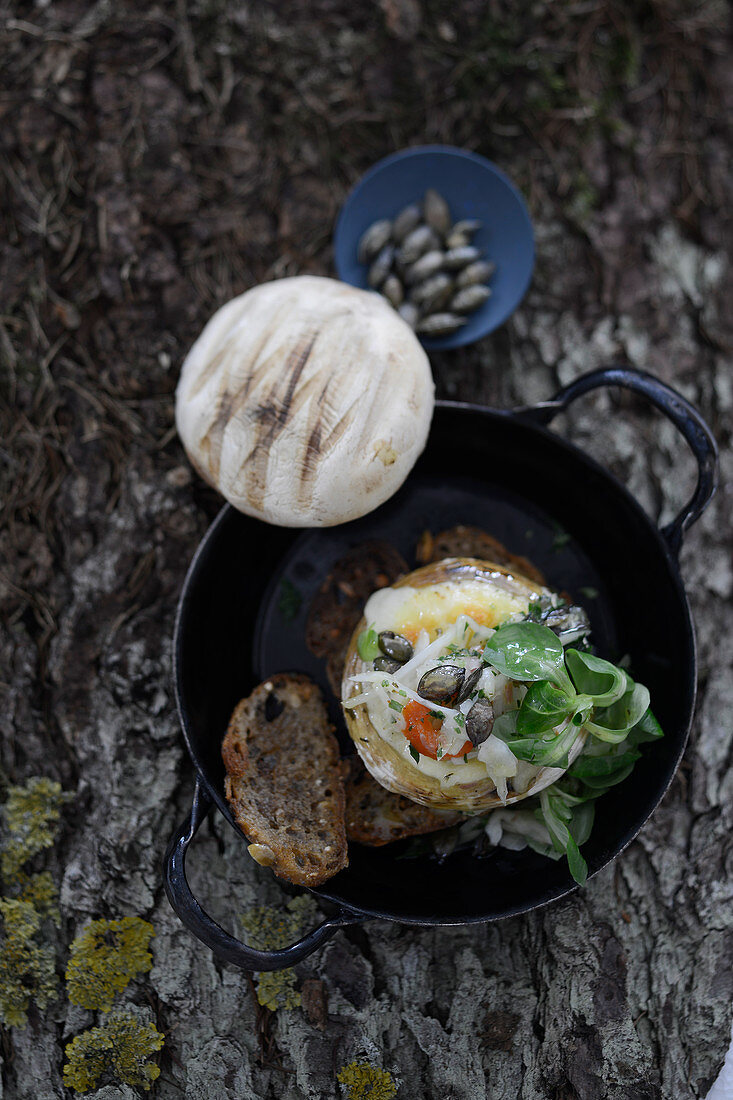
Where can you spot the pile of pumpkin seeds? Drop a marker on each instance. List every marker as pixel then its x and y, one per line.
pixel 425 265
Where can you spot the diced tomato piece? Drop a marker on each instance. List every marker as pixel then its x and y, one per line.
pixel 467 746
pixel 422 730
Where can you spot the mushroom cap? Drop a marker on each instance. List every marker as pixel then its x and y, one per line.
pixel 305 402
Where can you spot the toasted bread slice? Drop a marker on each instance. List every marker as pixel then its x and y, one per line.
pixel 472 542
pixel 376 816
pixel 338 604
pixel 285 782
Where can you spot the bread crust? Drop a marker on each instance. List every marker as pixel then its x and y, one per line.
pixel 339 602
pixel 376 816
pixel 473 542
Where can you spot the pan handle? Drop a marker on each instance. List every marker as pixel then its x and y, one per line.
pixel 207 930
pixel 675 407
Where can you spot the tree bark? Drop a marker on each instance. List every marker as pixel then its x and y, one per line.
pixel 160 161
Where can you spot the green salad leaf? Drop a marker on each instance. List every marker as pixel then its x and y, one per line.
pixel 528 651
pixel 543 707
pixel 646 729
pixel 614 723
pixel 602 767
pixel 593 676
pixel 367 645
pixel 571 801
pixel 569 691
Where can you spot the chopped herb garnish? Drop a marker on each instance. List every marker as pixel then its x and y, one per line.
pixel 465 758
pixel 460 720
pixel 290 600
pixel 436 714
pixel 561 539
pixel 438 752
pixel 395 705
pixel 414 754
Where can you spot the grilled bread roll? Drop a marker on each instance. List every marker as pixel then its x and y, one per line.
pixel 305 402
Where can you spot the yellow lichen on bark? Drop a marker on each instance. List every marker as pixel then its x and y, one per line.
pixel 121 1046
pixel 31 819
pixel 104 959
pixel 27 968
pixel 365 1082
pixel 270 929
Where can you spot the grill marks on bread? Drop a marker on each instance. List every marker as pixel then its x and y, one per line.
pixel 284 780
pixel 273 414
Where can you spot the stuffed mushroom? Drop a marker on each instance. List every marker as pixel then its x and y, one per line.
pixel 422 700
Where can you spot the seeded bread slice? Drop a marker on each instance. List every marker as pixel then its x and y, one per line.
pixel 339 602
pixel 376 816
pixel 472 542
pixel 285 782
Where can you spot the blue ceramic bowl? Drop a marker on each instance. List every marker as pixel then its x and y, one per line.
pixel 473 188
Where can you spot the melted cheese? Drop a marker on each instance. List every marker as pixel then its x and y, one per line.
pixel 432 607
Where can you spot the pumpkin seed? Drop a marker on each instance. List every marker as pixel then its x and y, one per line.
pixel 386 664
pixel 380 269
pixel 407 220
pixel 436 211
pixel 469 684
pixel 439 324
pixel 409 312
pixel 427 265
pixel 420 240
pixel 442 684
pixel 395 646
pixel 460 257
pixel 432 292
pixel 462 233
pixel 468 226
pixel 569 623
pixel 393 290
pixel 374 240
pixel 456 240
pixel 478 272
pixel 479 722
pixel 470 299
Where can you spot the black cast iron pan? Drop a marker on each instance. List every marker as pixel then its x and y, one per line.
pixel 541 496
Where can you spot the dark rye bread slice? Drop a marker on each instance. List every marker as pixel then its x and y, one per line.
pixel 339 602
pixel 375 816
pixel 285 782
pixel 473 542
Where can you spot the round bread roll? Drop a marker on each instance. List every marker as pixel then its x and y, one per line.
pixel 305 402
